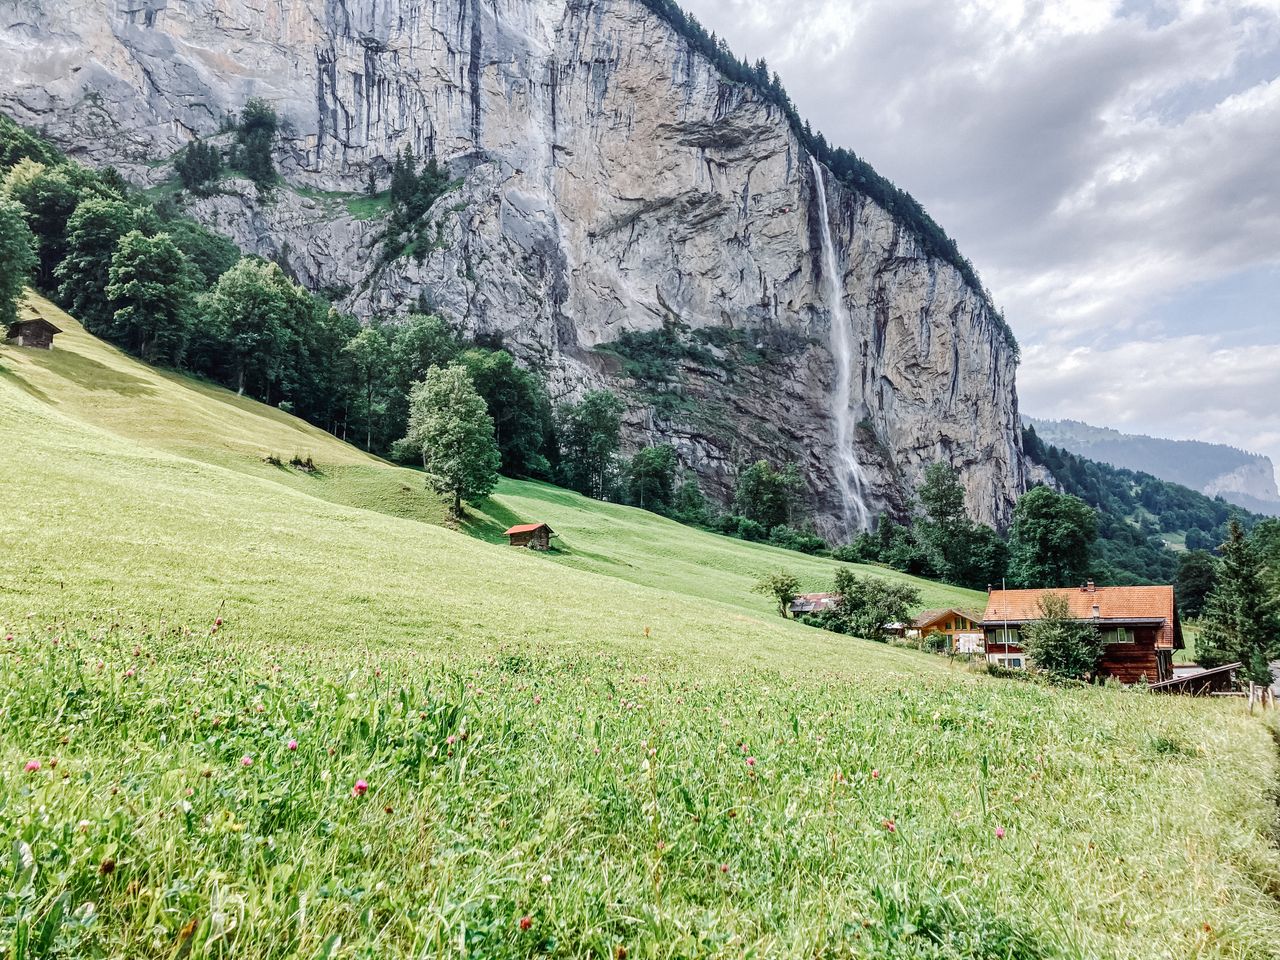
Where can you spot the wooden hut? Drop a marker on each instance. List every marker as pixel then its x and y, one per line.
pixel 36 332
pixel 535 536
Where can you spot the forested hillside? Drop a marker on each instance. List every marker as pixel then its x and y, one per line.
pixel 1143 521
pixel 1243 478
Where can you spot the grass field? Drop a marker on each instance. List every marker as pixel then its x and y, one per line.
pixel 407 741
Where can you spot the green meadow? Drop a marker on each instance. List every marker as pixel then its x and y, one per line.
pixel 251 710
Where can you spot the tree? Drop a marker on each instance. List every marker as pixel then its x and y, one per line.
pixel 1240 622
pixel 1050 541
pixel 866 605
pixel 766 495
pixel 651 478
pixel 1061 645
pixel 1197 573
pixel 17 259
pixel 450 427
pixel 368 352
pixel 590 435
pixel 248 313
pixel 690 503
pixel 150 286
pixel 256 135
pixel 521 410
pixel 782 586
pixel 93 233
pixel 199 165
pixel 49 195
pixel 944 530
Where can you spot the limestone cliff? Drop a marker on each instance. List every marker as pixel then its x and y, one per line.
pixel 611 180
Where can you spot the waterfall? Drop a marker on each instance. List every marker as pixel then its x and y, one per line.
pixel 851 479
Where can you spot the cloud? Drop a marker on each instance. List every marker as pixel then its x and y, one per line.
pixel 1184 387
pixel 1100 161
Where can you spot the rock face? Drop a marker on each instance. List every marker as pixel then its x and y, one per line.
pixel 611 181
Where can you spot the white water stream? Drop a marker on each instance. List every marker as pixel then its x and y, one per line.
pixel 851 479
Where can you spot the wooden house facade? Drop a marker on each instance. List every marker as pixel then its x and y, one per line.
pixel 1139 625
pixel 961 628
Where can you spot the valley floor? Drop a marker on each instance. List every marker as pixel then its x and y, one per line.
pixel 403 740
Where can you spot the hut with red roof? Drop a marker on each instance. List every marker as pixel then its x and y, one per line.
pixel 535 536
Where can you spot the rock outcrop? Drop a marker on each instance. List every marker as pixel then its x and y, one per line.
pixel 611 180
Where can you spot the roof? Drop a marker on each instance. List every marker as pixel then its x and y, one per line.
pixel 1193 679
pixel 1102 605
pixel 807 602
pixel 34 322
pixel 927 617
pixel 527 528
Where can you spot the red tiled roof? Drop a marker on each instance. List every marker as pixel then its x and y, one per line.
pixel 526 528
pixel 1104 604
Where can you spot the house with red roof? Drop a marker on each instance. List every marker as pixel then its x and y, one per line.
pixel 535 536
pixel 1139 625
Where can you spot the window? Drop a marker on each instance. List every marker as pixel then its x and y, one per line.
pixel 1005 635
pixel 1118 635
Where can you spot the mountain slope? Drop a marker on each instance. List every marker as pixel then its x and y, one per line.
pixel 95 387
pixel 402 738
pixel 1245 479
pixel 610 179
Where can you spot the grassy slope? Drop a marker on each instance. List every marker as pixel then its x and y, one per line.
pixel 98 385
pixel 1135 826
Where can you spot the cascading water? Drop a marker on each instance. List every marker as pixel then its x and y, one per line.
pixel 851 479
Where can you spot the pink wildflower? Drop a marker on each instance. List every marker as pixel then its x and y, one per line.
pixel 875 774
pixel 32 766
pixel 526 922
pixel 292 744
pixel 751 761
pixel 724 868
pixel 451 739
pixel 537 700
pixel 360 789
pixel 246 761
pixel 889 825
pixel 129 672
pixel 999 833
pixel 217 622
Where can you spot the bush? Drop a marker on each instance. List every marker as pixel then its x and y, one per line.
pixel 789 538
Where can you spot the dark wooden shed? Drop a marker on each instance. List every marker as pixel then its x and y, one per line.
pixel 1204 683
pixel 535 536
pixel 37 332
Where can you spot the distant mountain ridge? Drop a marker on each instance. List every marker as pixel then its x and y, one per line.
pixel 1217 470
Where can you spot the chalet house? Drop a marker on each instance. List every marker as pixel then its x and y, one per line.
pixel 37 332
pixel 1139 625
pixel 962 628
pixel 812 603
pixel 535 536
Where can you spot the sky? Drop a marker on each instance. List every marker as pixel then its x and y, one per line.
pixel 1111 167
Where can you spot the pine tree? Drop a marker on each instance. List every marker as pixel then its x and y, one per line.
pixel 1240 623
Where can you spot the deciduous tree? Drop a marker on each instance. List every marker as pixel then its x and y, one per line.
pixel 450 427
pixel 17 260
pixel 1051 538
pixel 1059 644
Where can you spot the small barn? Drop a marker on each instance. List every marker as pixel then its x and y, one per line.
pixel 535 536
pixel 36 332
